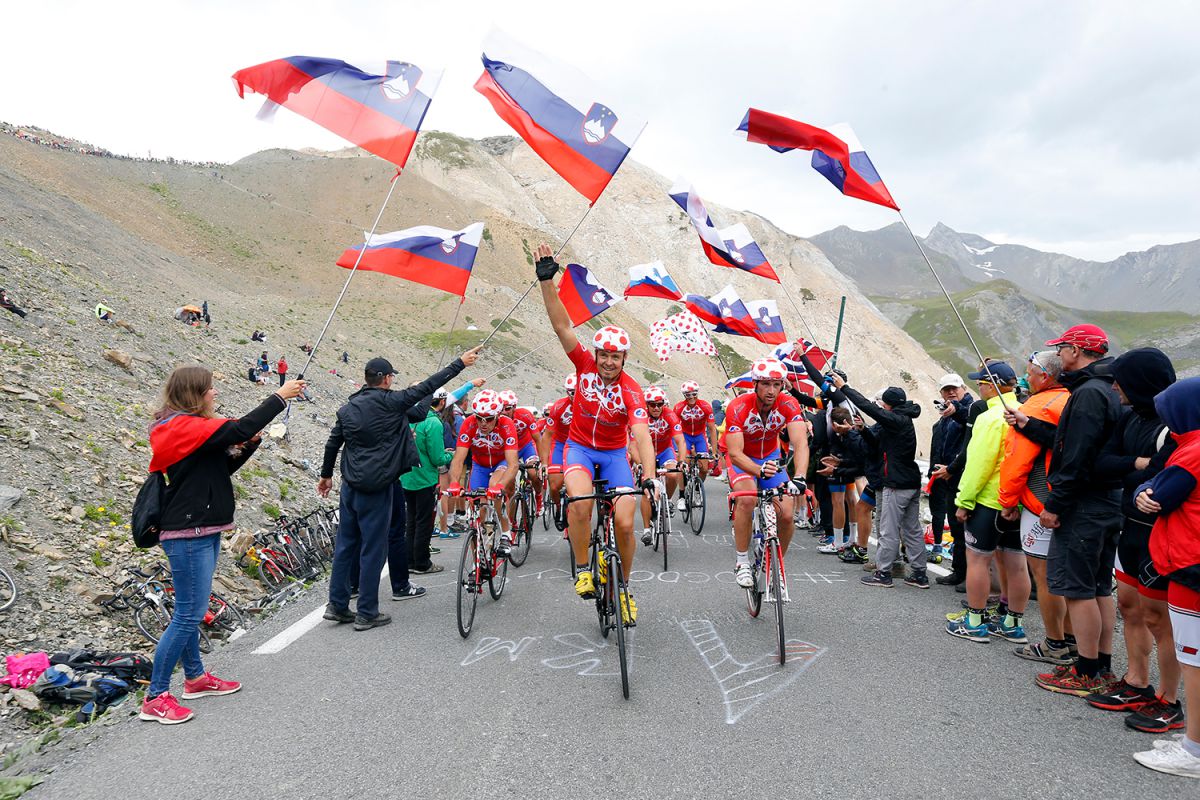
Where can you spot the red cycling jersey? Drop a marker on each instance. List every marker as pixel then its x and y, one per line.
pixel 664 430
pixel 558 419
pixel 760 437
pixel 600 413
pixel 487 449
pixel 526 426
pixel 695 418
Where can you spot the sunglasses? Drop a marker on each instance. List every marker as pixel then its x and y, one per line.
pixel 486 419
pixel 654 405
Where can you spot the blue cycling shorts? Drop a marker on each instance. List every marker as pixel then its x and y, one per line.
pixel 773 482
pixel 697 444
pixel 556 457
pixel 527 452
pixel 607 465
pixel 481 476
pixel 662 458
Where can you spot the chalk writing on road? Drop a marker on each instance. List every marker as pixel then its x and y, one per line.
pixel 490 645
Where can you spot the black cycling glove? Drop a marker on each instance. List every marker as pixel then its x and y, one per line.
pixel 546 268
pixel 649 485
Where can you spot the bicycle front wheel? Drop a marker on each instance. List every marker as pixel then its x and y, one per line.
pixel 776 566
pixel 152 620
pixel 664 528
pixel 226 616
pixel 621 593
pixel 497 575
pixel 468 583
pixel 697 502
pixel 8 590
pixel 522 532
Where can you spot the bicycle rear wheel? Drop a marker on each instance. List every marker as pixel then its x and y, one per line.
pixel 522 532
pixel 497 575
pixel 8 590
pixel 664 528
pixel 226 616
pixel 468 583
pixel 685 492
pixel 271 574
pixel 152 620
pixel 776 566
pixel 620 590
pixel 697 501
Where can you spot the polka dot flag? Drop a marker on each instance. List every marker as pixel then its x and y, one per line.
pixel 682 332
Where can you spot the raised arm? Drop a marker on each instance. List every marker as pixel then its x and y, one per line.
pixel 547 267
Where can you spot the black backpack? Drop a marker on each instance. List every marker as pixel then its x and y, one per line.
pixel 129 667
pixel 148 509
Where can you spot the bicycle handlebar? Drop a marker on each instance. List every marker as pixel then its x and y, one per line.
pixel 778 491
pixel 608 494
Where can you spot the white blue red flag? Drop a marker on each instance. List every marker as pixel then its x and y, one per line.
pixel 728 247
pixel 379 108
pixel 652 280
pixel 819 358
pixel 430 256
pixel 767 322
pixel 836 153
pixel 724 309
pixel 559 112
pixel 583 295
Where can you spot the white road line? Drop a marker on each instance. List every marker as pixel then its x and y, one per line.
pixel 297 629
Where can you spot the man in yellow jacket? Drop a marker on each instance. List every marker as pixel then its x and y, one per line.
pixel 978 503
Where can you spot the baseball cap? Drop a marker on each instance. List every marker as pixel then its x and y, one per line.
pixel 1087 337
pixel 952 379
pixel 440 394
pixel 1000 371
pixel 380 367
pixel 894 396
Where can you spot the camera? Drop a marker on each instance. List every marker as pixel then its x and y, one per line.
pixel 940 405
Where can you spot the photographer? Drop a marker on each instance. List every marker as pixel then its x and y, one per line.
pixel 947 443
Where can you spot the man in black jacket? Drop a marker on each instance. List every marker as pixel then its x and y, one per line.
pixel 949 435
pixel 899 507
pixel 379 447
pixel 1083 510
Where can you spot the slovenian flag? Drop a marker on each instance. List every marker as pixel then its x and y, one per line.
pixel 583 295
pixel 724 309
pixel 427 255
pixel 559 112
pixel 379 108
pixel 836 153
pixel 729 247
pixel 768 324
pixel 652 280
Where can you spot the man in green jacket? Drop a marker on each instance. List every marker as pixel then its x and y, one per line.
pixel 420 486
pixel 987 531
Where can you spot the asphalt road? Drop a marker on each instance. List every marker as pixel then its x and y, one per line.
pixel 875 700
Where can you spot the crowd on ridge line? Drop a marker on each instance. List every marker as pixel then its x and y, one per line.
pixel 1086 464
pixel 72 146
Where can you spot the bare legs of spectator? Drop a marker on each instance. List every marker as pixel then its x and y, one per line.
pixel 1052 608
pixel 1093 619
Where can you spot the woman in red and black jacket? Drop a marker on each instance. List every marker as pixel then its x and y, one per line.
pixel 196 451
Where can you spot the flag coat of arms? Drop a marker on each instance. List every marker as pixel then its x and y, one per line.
pixel 583 295
pixel 724 309
pixel 681 332
pixel 652 280
pixel 768 325
pixel 729 247
pixel 427 255
pixel 559 112
pixel 836 153
pixel 377 107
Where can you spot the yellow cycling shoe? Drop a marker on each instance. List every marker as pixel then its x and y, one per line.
pixel 584 586
pixel 628 609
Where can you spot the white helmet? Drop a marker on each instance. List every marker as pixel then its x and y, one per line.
pixel 768 369
pixel 508 397
pixel 569 383
pixel 611 338
pixel 653 394
pixel 546 409
pixel 487 403
pixel 689 386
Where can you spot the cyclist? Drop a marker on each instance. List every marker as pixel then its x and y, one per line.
pixel 558 425
pixel 753 422
pixel 667 434
pixel 607 402
pixel 699 426
pixel 490 439
pixel 527 451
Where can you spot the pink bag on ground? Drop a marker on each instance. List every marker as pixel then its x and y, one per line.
pixel 23 671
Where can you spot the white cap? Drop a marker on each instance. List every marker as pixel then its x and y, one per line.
pixel 951 379
pixel 439 394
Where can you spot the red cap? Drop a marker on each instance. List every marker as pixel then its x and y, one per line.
pixel 1086 337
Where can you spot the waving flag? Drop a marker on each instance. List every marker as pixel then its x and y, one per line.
pixel 767 323
pixel 681 332
pixel 729 247
pixel 426 255
pixel 836 153
pixel 380 109
pixel 651 280
pixel 820 358
pixel 583 295
pixel 559 112
pixel 724 309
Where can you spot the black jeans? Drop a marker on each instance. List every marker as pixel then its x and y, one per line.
pixel 419 507
pixel 825 501
pixel 359 551
pixel 942 509
pixel 397 548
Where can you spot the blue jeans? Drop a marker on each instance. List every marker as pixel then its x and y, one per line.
pixel 193 562
pixel 397 547
pixel 362 538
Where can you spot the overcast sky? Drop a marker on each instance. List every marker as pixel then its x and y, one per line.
pixel 1068 126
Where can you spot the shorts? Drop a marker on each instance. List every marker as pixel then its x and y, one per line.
pixel 526 452
pixel 556 459
pixel 696 443
pixel 773 482
pixel 1183 605
pixel 481 476
pixel 1035 539
pixel 868 496
pixel 605 465
pixel 665 457
pixel 1134 565
pixel 987 531
pixel 1083 549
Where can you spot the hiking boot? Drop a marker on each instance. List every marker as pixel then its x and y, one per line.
pixel 877 578
pixel 362 623
pixel 411 592
pixel 208 685
pixel 165 709
pixel 1013 633
pixel 1157 717
pixel 1122 696
pixel 1065 680
pixel 585 587
pixel 338 615
pixel 918 579
pixel 1042 651
pixel 744 576
pixel 1172 759
pixel 963 629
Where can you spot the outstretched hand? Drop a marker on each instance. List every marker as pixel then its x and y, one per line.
pixel 471 356
pixel 291 389
pixel 478 382
pixel 544 263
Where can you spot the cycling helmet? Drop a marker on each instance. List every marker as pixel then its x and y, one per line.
pixel 569 383
pixel 487 403
pixel 611 338
pixel 508 397
pixel 653 394
pixel 689 386
pixel 546 409
pixel 768 369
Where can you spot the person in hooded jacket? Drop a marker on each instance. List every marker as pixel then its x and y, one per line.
pixel 196 451
pixel 900 505
pixel 1137 451
pixel 1174 495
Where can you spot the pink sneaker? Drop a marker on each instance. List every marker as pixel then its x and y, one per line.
pixel 208 685
pixel 165 709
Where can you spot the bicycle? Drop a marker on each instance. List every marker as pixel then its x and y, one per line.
pixel 8 590
pixel 604 560
pixel 770 577
pixel 479 560
pixel 548 503
pixel 661 512
pixel 523 511
pixel 692 492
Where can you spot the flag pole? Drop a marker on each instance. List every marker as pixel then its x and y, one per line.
pixel 453 325
pixel 539 348
pixel 837 340
pixel 991 378
pixel 346 285
pixel 796 308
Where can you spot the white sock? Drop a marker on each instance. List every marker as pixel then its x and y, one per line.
pixel 742 558
pixel 839 537
pixel 853 532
